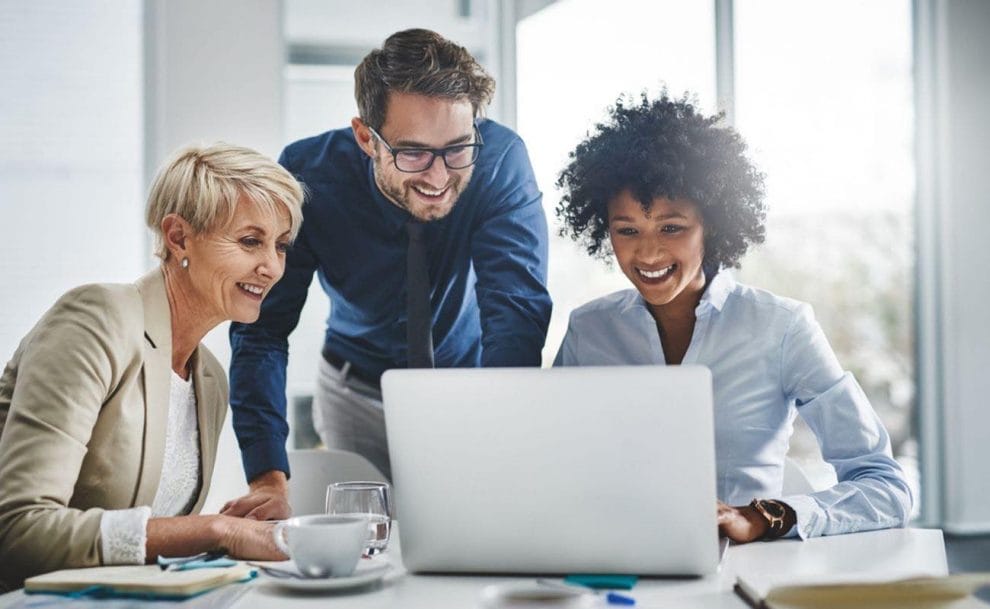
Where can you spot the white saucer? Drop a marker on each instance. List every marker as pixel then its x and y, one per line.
pixel 362 576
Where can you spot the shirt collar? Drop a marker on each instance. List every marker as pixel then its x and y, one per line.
pixel 719 288
pixel 714 296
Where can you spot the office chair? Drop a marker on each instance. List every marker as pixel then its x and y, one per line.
pixel 315 469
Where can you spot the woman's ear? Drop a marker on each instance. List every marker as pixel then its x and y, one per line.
pixel 176 233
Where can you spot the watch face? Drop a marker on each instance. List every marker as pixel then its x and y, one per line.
pixel 774 508
pixel 775 514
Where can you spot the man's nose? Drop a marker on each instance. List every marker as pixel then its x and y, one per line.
pixel 438 173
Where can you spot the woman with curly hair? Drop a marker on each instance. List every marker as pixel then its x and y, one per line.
pixel 672 195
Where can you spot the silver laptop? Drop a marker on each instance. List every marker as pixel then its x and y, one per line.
pixel 566 470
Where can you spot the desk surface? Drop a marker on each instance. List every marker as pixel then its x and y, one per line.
pixel 893 553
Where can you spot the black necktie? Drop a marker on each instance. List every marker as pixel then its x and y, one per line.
pixel 419 321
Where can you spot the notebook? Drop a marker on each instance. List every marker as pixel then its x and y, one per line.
pixel 566 470
pixel 146 581
pixel 943 592
pixel 894 564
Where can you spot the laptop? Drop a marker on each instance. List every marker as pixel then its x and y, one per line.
pixel 563 470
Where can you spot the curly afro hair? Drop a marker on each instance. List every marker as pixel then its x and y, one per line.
pixel 664 148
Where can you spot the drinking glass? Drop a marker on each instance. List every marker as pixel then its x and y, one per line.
pixel 368 500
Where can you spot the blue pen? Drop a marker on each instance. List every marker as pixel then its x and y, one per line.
pixel 614 598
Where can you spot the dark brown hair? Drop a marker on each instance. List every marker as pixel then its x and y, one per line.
pixel 423 62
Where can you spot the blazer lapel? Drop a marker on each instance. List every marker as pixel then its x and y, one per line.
pixel 207 390
pixel 157 377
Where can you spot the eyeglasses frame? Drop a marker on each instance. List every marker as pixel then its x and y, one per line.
pixel 436 152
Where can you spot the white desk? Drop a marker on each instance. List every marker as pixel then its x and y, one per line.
pixel 895 552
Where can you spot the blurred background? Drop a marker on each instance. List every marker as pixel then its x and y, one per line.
pixel 867 117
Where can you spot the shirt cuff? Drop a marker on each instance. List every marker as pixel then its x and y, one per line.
pixel 124 535
pixel 810 516
pixel 264 456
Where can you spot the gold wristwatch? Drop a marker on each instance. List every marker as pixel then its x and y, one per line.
pixel 775 514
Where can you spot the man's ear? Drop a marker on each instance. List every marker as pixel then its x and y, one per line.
pixel 363 136
pixel 176 232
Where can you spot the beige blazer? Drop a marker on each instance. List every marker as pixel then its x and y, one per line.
pixel 83 411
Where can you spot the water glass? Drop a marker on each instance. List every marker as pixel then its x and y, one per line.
pixel 368 500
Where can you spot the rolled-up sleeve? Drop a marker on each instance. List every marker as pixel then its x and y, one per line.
pixel 872 492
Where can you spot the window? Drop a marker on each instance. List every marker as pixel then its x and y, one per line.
pixel 824 97
pixel 574 58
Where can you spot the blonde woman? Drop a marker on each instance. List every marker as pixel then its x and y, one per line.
pixel 110 408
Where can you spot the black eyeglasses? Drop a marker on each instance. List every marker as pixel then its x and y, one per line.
pixel 415 160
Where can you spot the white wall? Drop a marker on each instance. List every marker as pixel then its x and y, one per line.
pixel 214 73
pixel 343 23
pixel 71 187
pixel 960 205
pixel 352 28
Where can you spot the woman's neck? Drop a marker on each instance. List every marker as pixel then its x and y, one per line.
pixel 675 336
pixel 189 317
pixel 675 320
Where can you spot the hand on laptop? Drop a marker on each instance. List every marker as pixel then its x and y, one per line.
pixel 267 500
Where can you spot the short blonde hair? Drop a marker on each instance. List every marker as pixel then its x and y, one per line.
pixel 202 184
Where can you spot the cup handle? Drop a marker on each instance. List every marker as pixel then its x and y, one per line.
pixel 280 539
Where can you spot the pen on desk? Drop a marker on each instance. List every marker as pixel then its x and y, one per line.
pixel 612 598
pixel 167 564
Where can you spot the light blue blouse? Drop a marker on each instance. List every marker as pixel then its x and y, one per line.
pixel 769 360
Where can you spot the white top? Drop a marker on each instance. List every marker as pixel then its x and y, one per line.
pixel 123 533
pixel 770 362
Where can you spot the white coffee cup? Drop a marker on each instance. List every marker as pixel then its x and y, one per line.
pixel 323 545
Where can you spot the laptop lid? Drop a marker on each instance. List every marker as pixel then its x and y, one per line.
pixel 565 470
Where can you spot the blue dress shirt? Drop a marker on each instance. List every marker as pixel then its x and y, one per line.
pixel 770 361
pixel 487 264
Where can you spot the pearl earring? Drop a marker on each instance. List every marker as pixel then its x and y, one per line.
pixel 185 263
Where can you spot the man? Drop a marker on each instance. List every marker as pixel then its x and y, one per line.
pixel 426 229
